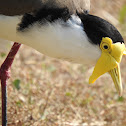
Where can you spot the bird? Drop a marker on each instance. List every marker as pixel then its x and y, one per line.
pixel 62 29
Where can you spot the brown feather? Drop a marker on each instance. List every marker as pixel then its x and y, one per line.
pixel 19 7
pixel 76 5
pixel 73 5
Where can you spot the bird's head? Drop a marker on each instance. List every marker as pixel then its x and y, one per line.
pixel 102 33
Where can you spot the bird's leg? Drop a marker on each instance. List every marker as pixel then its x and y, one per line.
pixel 4 76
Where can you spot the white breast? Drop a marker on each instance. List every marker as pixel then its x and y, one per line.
pixel 66 41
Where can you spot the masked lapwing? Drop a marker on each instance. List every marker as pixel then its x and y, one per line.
pixel 62 29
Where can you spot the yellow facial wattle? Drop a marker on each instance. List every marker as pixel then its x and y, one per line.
pixel 109 62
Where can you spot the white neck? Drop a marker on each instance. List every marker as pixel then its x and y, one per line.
pixel 53 39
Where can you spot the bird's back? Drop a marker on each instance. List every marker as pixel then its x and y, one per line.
pixel 72 5
pixel 20 7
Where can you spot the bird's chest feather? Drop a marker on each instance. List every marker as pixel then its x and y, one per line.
pixel 60 40
pixel 63 40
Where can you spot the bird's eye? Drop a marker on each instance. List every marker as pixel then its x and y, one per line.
pixel 105 46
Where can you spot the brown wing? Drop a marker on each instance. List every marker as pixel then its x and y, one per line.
pixel 73 5
pixel 19 7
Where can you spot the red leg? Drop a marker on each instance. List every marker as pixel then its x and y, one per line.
pixel 4 76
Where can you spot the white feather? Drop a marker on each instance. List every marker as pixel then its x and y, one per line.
pixel 56 40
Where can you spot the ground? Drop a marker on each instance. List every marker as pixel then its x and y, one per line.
pixel 43 91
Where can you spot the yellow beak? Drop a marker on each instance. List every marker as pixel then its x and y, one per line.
pixel 109 62
pixel 116 76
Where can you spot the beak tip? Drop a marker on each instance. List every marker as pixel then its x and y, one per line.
pixel 92 79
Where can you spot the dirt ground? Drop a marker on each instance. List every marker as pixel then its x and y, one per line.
pixel 43 91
